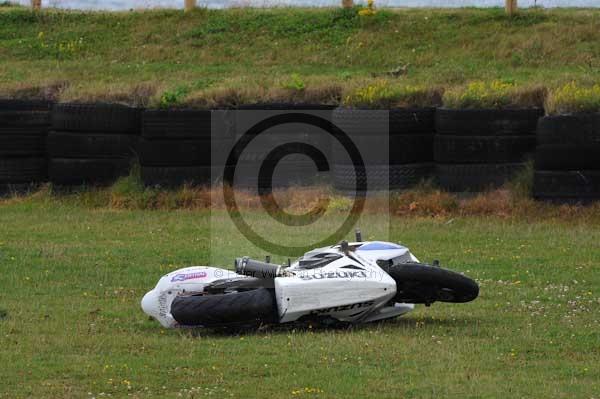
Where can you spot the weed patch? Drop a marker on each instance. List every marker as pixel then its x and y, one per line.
pixel 573 98
pixel 496 94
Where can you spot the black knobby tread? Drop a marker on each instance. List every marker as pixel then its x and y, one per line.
pixel 22 170
pixel 567 157
pixel 174 176
pixel 255 306
pixel 485 122
pixel 401 149
pixel 90 145
pixel 24 118
pixel 580 129
pixel 176 124
pixel 68 171
pixel 577 184
pixel 25 105
pixel 382 177
pixel 97 117
pixel 182 152
pixel 418 283
pixel 22 145
pixel 482 149
pixel 475 177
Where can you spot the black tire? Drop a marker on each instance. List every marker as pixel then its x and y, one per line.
pixel 221 310
pixel 25 105
pixel 411 120
pixel 576 185
pixel 21 145
pixel 166 124
pixel 174 176
pixel 382 177
pixel 401 149
pixel 285 134
pixel 287 173
pixel 475 177
pixel 486 122
pixel 482 149
pixel 90 145
pixel 182 152
pixel 63 171
pixel 22 170
pixel 383 122
pixel 41 130
pixel 101 118
pixel 580 129
pixel 286 106
pixel 24 119
pixel 567 157
pixel 419 283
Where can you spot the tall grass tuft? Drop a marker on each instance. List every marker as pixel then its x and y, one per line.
pixel 573 98
pixel 494 95
pixel 385 94
pixel 521 185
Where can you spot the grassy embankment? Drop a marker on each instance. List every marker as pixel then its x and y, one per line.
pixel 212 57
pixel 71 325
pixel 73 267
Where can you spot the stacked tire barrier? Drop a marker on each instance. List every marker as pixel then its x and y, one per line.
pixel 567 158
pixel 296 168
pixel 478 149
pixel 23 129
pixel 73 144
pixel 91 143
pixel 177 145
pixel 407 135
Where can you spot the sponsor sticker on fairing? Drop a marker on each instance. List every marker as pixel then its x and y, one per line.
pixel 188 276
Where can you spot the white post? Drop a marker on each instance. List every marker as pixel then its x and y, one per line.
pixel 190 5
pixel 511 7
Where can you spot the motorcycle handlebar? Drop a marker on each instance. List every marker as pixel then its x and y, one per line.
pixel 256 268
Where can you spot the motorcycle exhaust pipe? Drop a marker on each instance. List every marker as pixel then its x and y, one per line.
pixel 256 268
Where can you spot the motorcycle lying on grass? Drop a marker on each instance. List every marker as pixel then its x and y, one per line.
pixel 356 282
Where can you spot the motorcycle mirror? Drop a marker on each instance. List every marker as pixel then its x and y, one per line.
pixel 268 258
pixel 358 235
pixel 344 247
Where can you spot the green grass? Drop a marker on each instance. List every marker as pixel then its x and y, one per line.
pixel 170 57
pixel 70 324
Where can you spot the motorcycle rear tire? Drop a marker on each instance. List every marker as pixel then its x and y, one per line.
pixel 420 283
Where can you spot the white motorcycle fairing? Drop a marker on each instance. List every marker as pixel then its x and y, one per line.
pixel 352 288
pixel 157 302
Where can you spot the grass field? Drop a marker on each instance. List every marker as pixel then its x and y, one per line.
pixel 175 57
pixel 70 324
